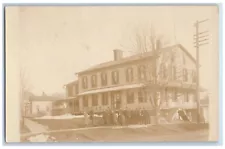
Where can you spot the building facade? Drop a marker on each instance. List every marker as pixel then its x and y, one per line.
pixel 49 105
pixel 128 82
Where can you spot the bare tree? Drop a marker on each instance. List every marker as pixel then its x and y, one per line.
pixel 146 40
pixel 25 89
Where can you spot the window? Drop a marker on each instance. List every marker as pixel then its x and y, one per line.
pixel 76 89
pixel 173 56
pixel 174 73
pixel 142 72
pixel 194 76
pixel 150 72
pixel 76 103
pixel 38 108
pixel 73 90
pixel 130 96
pixel 93 80
pixel 191 97
pixel 94 100
pixel 85 101
pixel 141 96
pixel 70 91
pixel 129 74
pixel 104 79
pixel 47 109
pixel 186 99
pixel 115 77
pixel 84 82
pixel 185 75
pixel 178 96
pixel 104 98
pixel 163 71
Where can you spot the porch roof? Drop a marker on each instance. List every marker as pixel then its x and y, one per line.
pixel 116 88
pixel 130 86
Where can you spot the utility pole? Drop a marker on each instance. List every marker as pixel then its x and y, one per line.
pixel 201 39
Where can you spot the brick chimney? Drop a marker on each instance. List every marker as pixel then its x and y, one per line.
pixel 118 54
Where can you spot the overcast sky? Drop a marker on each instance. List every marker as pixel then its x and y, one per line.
pixel 56 42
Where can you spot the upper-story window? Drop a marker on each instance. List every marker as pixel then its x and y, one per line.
pixel 142 72
pixel 141 96
pixel 47 109
pixel 76 89
pixel 84 82
pixel 104 98
pixel 163 71
pixel 93 80
pixel 115 77
pixel 129 74
pixel 73 90
pixel 173 56
pixel 174 73
pixel 85 101
pixel 69 91
pixel 185 75
pixel 94 100
pixel 104 78
pixel 76 103
pixel 38 108
pixel 194 77
pixel 175 98
pixel 130 96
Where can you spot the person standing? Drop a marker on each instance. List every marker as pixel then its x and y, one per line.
pixel 92 117
pixel 114 117
pixel 104 117
pixel 85 119
pixel 122 115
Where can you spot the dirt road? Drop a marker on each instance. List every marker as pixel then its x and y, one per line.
pixel 131 135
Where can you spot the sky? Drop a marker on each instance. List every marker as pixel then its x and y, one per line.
pixel 56 42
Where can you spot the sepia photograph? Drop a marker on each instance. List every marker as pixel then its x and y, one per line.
pixel 112 73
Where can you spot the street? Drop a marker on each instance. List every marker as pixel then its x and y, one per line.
pixel 145 134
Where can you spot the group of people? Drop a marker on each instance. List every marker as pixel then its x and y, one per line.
pixel 121 117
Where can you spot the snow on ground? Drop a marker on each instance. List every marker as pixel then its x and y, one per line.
pixel 117 127
pixel 65 116
pixel 163 121
pixel 41 138
pixel 35 127
pixel 137 126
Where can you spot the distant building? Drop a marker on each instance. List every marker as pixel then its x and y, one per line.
pixel 121 83
pixel 48 105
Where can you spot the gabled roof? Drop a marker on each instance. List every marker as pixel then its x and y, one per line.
pixel 134 58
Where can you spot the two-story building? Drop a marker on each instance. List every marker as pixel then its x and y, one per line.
pixel 122 83
pixel 72 90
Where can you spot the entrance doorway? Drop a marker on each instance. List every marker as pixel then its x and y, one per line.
pixel 116 100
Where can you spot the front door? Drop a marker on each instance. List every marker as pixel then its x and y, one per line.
pixel 116 100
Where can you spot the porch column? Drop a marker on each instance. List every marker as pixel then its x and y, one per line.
pixel 123 99
pixel 80 99
pixel 163 96
pixel 136 102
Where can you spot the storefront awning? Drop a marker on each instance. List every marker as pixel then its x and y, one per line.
pixel 123 87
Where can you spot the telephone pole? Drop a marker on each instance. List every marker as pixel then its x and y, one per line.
pixel 201 38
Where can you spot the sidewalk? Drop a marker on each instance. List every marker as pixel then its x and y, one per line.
pixel 34 127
